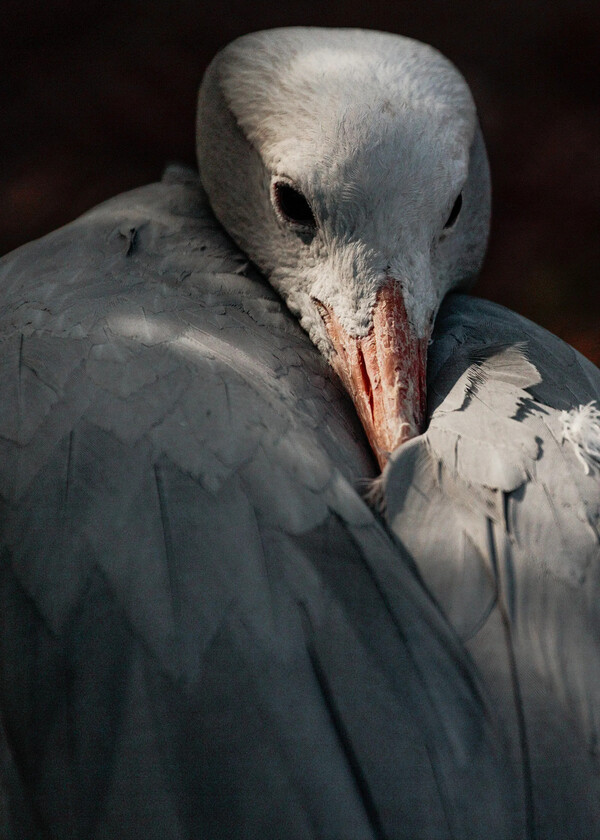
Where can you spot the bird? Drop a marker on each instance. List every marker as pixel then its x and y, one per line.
pixel 207 631
pixel 358 182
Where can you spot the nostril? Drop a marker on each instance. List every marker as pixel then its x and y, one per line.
pixel 322 310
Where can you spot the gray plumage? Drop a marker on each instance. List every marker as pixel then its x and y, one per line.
pixel 509 545
pixel 205 631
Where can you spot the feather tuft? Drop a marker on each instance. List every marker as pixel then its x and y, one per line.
pixel 373 493
pixel 581 427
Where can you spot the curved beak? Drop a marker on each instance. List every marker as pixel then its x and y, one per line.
pixel 383 371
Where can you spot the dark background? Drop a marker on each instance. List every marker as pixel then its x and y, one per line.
pixel 97 96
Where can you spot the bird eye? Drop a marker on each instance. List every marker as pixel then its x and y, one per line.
pixel 454 212
pixel 292 205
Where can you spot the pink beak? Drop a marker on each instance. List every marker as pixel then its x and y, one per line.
pixel 384 372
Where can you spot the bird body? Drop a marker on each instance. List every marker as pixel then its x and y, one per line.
pixel 206 630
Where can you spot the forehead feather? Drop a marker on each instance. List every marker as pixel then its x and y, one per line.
pixel 320 88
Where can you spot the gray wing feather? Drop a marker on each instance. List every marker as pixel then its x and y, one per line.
pixel 510 542
pixel 204 630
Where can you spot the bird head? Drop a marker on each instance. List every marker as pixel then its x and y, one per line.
pixel 350 167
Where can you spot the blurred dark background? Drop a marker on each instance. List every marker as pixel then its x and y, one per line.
pixel 97 96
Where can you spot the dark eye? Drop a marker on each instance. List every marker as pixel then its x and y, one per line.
pixel 292 205
pixel 454 212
